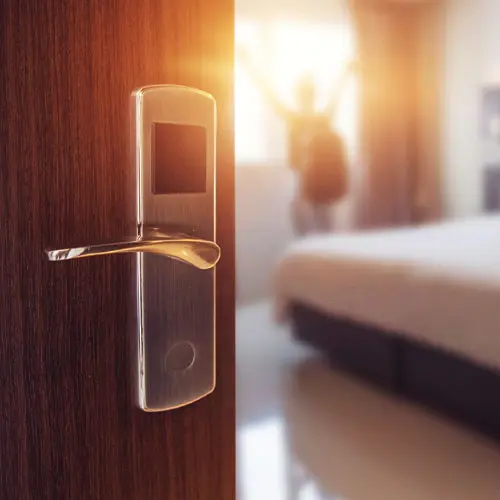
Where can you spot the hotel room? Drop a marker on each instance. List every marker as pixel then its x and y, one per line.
pixel 372 349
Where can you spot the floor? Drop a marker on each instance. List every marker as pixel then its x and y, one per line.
pixel 306 432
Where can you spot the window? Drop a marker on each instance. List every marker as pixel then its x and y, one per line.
pixel 282 51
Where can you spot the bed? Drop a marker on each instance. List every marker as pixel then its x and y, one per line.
pixel 415 310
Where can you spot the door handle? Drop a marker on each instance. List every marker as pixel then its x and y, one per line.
pixel 196 252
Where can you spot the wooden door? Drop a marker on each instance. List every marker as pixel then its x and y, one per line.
pixel 69 428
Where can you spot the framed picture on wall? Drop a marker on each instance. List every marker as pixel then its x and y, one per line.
pixel 491 188
pixel 490 140
pixel 491 114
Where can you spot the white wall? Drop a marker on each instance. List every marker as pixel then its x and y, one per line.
pixel 472 59
pixel 490 49
pixel 263 227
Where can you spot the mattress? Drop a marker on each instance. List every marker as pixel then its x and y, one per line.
pixel 439 284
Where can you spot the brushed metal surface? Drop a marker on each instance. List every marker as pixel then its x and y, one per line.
pixel 176 303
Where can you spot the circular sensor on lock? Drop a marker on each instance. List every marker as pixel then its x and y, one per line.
pixel 180 357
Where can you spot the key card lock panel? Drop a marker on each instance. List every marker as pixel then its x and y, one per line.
pixel 175 158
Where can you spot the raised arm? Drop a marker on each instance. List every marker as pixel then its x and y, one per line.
pixel 269 95
pixel 338 88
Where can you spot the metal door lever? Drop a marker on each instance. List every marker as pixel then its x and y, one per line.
pixel 199 253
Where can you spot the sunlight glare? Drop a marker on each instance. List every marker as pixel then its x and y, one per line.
pixel 282 51
pixel 320 50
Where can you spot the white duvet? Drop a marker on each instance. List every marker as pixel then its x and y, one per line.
pixel 438 283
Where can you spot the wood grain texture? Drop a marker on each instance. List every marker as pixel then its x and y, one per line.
pixel 68 426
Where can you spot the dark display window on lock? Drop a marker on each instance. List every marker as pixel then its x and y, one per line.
pixel 179 158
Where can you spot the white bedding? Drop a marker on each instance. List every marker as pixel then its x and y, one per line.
pixel 438 283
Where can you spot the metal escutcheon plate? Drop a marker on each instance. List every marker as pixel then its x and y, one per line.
pixel 175 302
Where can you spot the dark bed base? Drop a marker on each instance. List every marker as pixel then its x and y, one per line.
pixel 466 392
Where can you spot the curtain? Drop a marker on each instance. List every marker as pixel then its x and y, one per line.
pixel 389 37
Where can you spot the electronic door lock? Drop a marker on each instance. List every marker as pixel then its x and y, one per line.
pixel 173 157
